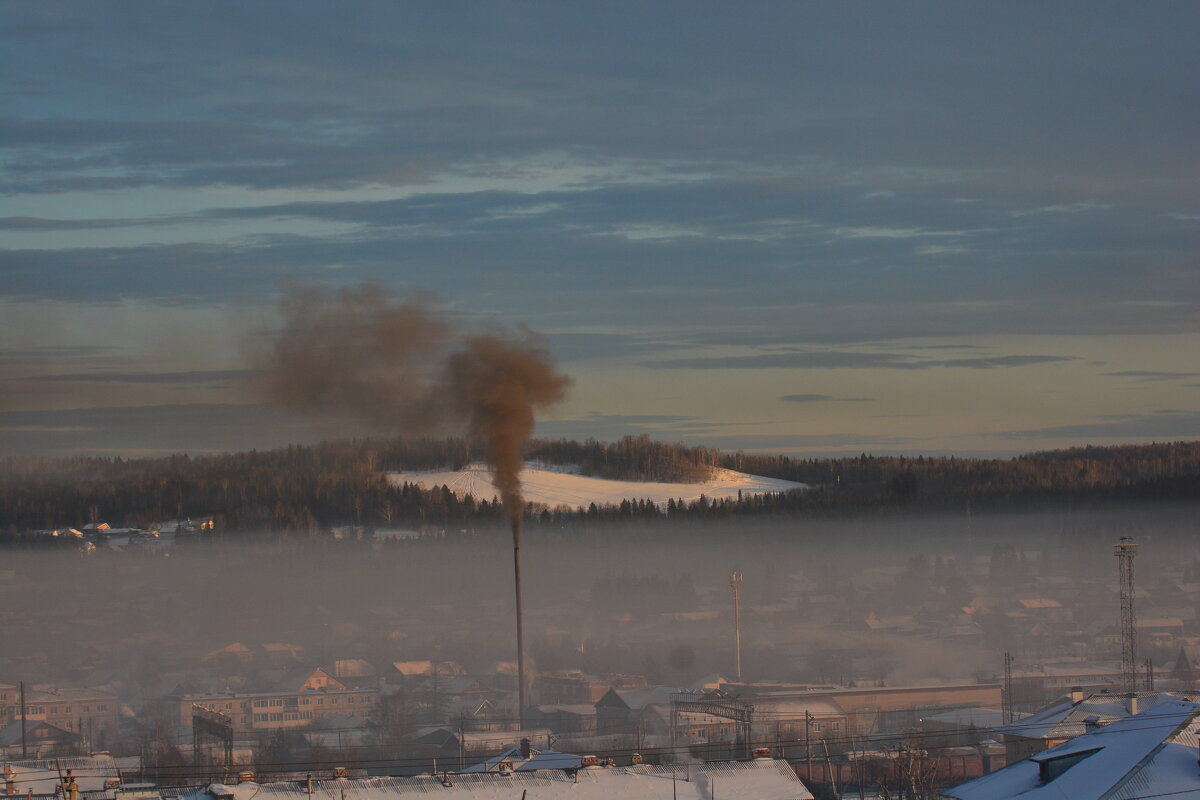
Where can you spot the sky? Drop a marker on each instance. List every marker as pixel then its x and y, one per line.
pixel 801 228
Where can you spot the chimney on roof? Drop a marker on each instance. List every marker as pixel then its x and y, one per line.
pixel 526 750
pixel 1076 694
pixel 1132 699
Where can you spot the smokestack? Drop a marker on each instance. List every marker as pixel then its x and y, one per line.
pixel 516 534
pixel 1132 703
pixel 1076 694
pixel 395 365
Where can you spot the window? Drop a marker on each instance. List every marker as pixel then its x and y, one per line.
pixel 1051 768
pixel 259 703
pixel 277 701
pixel 103 707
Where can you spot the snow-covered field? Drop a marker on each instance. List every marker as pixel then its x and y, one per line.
pixel 561 487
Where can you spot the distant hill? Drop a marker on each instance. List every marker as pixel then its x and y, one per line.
pixel 308 489
pixel 566 487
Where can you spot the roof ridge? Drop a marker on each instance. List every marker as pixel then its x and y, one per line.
pixel 1120 783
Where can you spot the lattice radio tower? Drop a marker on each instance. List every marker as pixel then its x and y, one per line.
pixel 1125 550
pixel 735 582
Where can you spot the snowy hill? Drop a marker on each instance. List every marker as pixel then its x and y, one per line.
pixel 562 487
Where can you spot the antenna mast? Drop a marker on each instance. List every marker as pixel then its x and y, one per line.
pixel 735 581
pixel 1125 550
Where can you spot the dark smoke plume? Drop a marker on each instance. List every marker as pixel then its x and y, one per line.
pixel 498 384
pixel 395 365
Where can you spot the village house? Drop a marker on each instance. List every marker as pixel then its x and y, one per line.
pixel 298 700
pixel 1072 715
pixel 1149 754
pixel 37 739
pixel 90 713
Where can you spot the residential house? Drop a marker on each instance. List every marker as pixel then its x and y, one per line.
pixel 636 711
pixel 1149 754
pixel 1071 716
pixel 39 739
pixel 91 713
pixel 297 700
pixel 565 718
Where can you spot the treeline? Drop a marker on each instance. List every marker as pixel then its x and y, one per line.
pixel 308 489
pixel 633 458
pixel 294 489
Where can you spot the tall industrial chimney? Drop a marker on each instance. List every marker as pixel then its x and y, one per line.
pixel 516 534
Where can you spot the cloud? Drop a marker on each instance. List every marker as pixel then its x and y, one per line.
pixel 850 360
pixel 189 377
pixel 151 430
pixel 614 426
pixel 13 357
pixel 1152 375
pixel 820 398
pixel 784 442
pixel 1167 425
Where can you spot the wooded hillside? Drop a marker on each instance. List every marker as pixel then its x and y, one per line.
pixel 308 489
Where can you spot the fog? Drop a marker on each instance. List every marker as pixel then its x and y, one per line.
pixel 651 600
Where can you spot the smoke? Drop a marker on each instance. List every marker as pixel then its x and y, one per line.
pixel 497 385
pixel 393 364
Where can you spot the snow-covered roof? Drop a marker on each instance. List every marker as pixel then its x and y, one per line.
pixel 797 706
pixel 538 759
pixel 90 773
pixel 969 717
pixel 761 779
pixel 1065 719
pixel 658 695
pixel 1151 754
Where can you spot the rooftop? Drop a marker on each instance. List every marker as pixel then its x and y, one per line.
pixel 761 779
pixel 1151 754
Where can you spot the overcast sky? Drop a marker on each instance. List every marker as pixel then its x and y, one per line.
pixel 807 228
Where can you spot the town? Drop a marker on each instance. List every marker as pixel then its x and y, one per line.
pixel 924 672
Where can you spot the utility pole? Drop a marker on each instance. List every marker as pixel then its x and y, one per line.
pixel 807 745
pixel 24 743
pixel 1007 701
pixel 735 581
pixel 1125 550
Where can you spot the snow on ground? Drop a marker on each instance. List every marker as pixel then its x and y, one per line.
pixel 558 486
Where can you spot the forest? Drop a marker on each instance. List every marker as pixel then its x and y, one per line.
pixel 309 489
